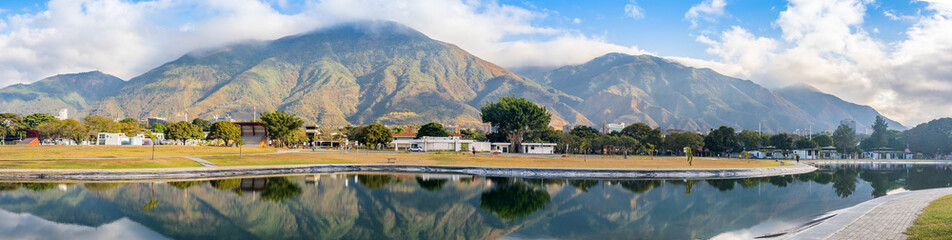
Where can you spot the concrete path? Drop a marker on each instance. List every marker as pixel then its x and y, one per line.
pixel 202 161
pixel 881 218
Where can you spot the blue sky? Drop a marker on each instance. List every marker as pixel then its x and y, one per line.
pixel 891 55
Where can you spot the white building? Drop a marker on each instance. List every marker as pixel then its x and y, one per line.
pixel 63 114
pixel 538 148
pixel 122 139
pixel 434 144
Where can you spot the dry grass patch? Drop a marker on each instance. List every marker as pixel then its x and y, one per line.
pixel 73 151
pixel 935 222
pixel 99 164
pixel 633 162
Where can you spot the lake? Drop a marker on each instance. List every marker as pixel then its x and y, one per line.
pixel 422 206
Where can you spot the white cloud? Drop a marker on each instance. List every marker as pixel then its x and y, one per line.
pixel 708 10
pixel 576 21
pixel 633 10
pixel 128 38
pixel 823 44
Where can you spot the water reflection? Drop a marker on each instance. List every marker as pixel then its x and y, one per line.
pixel 402 206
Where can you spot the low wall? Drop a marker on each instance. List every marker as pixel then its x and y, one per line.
pixel 221 172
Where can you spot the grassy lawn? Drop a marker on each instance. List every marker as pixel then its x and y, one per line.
pixel 935 221
pixel 100 164
pixel 73 152
pixel 484 160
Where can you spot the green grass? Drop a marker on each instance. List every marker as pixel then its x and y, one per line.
pixel 935 222
pixel 75 152
pixel 100 164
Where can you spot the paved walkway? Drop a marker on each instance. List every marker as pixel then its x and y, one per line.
pixel 202 161
pixel 881 218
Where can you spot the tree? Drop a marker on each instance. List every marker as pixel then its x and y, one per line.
pixel 130 128
pixel 721 140
pixel 158 128
pixel 583 131
pixel 183 131
pixel 374 134
pixel 648 137
pixel 204 124
pixel 804 143
pixel 9 123
pixel 513 201
pixel 676 142
pixel 750 139
pixel 280 124
pixel 433 130
pixel 73 130
pixel 132 121
pixel 33 120
pixel 880 129
pixel 279 189
pixel 782 141
pixel 844 139
pixel 515 116
pixel 225 131
pixel 477 135
pixel 823 140
pixel 933 137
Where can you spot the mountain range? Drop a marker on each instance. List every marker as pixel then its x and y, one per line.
pixel 384 72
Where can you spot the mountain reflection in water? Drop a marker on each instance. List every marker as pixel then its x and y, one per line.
pixel 424 206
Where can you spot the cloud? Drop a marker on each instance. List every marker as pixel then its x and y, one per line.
pixel 708 10
pixel 823 44
pixel 576 21
pixel 633 10
pixel 26 226
pixel 128 38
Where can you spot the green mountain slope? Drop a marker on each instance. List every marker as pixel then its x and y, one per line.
pixel 350 74
pixel 70 91
pixel 829 109
pixel 625 88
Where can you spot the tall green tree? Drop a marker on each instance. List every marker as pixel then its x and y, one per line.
pixel 880 129
pixel 782 141
pixel 432 130
pixel 374 134
pixel 648 137
pixel 183 131
pixel 204 124
pixel 33 120
pixel 9 124
pixel 750 140
pixel 226 131
pixel 823 140
pixel 73 130
pixel 158 128
pixel 721 140
pixel 280 124
pixel 676 142
pixel 583 131
pixel 804 143
pixel 844 139
pixel 515 116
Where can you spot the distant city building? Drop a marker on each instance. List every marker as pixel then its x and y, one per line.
pixel 614 127
pixel 63 114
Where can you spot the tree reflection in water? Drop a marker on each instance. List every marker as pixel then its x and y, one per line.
pixel 185 184
pixel 844 181
pixel 279 189
pixel 431 185
pixel 374 181
pixel 4 187
pixel 583 185
pixel 510 201
pixel 639 186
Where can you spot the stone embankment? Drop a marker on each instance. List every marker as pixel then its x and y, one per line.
pixel 224 172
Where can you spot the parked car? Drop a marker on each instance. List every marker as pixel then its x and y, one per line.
pixel 415 148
